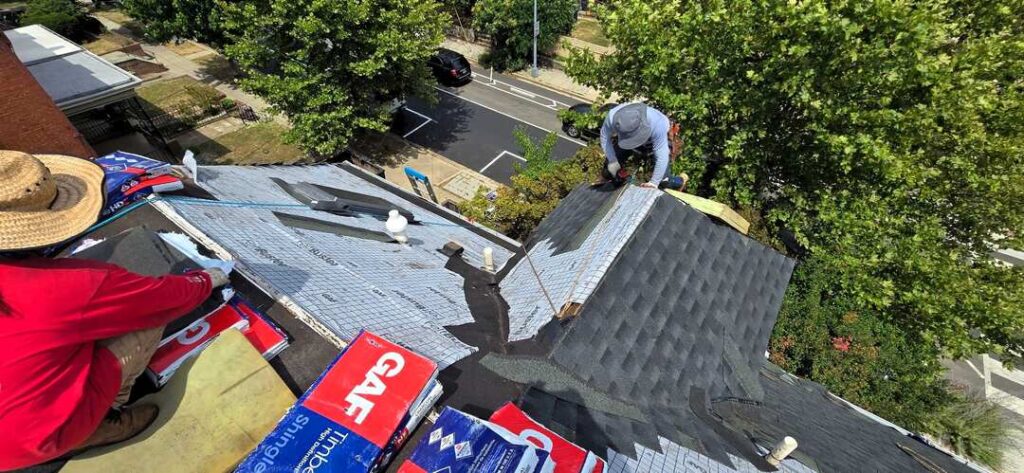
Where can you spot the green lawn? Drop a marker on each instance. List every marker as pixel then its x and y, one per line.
pixel 166 94
pixel 589 30
pixel 107 42
pixel 262 143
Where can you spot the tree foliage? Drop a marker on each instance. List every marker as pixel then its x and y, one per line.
pixel 536 189
pixel 878 365
pixel 64 17
pixel 334 66
pixel 855 353
pixel 509 23
pixel 887 136
pixel 163 20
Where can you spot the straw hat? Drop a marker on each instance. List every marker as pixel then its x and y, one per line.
pixel 46 199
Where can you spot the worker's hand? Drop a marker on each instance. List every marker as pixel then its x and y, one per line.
pixel 613 168
pixel 648 185
pixel 217 277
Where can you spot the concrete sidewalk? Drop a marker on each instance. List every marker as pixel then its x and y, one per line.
pixel 452 181
pixel 554 79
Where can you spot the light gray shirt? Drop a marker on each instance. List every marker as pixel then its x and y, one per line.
pixel 659 138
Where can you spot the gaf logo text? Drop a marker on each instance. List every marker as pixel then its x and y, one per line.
pixel 388 366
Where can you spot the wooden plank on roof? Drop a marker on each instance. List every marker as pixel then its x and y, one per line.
pixel 714 209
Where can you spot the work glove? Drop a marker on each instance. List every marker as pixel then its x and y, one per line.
pixel 613 168
pixel 217 277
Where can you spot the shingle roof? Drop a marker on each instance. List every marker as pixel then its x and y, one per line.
pixel 571 251
pixel 346 280
pixel 663 368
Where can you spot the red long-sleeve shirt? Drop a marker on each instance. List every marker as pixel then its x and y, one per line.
pixel 56 383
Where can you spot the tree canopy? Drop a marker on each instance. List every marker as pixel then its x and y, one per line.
pixel 64 17
pixel 509 23
pixel 335 67
pixel 888 137
pixel 188 19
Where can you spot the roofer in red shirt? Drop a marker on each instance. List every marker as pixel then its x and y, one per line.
pixel 74 334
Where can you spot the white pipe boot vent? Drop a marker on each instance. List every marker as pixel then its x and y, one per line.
pixel 781 450
pixel 396 226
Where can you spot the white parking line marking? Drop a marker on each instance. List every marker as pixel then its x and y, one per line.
pixel 418 114
pixel 496 158
pixel 517 90
pixel 494 83
pixel 553 105
pixel 510 116
pixel 426 121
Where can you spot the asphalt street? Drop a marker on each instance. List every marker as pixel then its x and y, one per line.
pixel 473 124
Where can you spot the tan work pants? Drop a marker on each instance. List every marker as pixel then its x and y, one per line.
pixel 133 351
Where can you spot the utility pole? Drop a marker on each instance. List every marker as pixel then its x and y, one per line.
pixel 536 33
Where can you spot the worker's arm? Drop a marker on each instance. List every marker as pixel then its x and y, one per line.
pixel 659 131
pixel 606 138
pixel 126 302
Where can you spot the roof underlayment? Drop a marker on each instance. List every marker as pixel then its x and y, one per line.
pixel 402 292
pixel 577 271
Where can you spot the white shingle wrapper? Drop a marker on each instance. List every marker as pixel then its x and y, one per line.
pixel 529 310
pixel 401 292
pixel 675 458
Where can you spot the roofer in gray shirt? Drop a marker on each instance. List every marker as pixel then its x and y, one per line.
pixel 634 125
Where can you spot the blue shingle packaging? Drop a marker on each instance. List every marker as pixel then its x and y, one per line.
pixel 461 443
pixel 354 416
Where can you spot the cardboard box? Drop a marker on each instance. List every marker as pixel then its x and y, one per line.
pixel 351 417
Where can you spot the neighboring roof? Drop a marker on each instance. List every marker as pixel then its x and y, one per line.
pixel 29 120
pixel 76 79
pixel 344 271
pixel 663 368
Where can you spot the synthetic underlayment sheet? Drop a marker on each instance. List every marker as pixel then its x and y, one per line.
pixel 578 271
pixel 402 292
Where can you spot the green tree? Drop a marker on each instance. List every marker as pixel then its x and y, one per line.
pixel 855 353
pixel 62 16
pixel 334 67
pixel 877 365
pixel 163 20
pixel 509 23
pixel 536 188
pixel 887 136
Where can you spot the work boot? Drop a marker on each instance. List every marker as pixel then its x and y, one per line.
pixel 121 425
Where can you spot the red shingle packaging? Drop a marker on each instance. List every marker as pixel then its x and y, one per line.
pixel 568 457
pixel 129 177
pixel 189 342
pixel 354 416
pixel 262 332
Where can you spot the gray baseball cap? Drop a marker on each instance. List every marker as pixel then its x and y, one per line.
pixel 631 125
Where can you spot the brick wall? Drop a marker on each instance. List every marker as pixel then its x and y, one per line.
pixel 29 120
